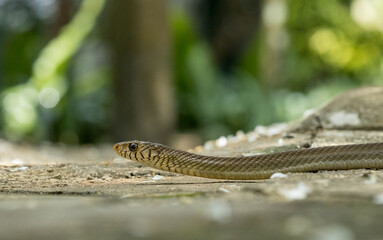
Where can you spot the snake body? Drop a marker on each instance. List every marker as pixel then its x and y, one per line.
pixel 341 157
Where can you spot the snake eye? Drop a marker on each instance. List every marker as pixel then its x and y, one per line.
pixel 133 147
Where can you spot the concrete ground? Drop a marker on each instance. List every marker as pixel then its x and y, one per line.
pixel 91 193
pixel 60 192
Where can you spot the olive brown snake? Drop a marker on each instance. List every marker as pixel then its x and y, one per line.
pixel 340 157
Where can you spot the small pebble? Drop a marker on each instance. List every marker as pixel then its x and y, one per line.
pixel 252 137
pixel 158 177
pixel 371 180
pixel 208 145
pixel 221 142
pixel 278 175
pixel 272 130
pixel 298 193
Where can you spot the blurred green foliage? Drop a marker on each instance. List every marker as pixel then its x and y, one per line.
pixel 320 48
pixel 327 52
pixel 27 105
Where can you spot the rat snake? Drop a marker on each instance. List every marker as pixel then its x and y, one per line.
pixel 341 157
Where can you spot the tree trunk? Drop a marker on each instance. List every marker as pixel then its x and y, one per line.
pixel 229 27
pixel 140 43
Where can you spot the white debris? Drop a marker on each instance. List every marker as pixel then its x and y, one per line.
pixel 221 142
pixel 16 169
pixel 249 154
pixel 158 177
pixel 252 137
pixel 298 193
pixel 261 130
pixel 126 196
pixel 278 175
pixel 272 130
pixel 17 161
pixel 240 134
pixel 208 145
pixel 224 190
pixel 232 138
pixel 378 199
pixel 314 145
pixel 280 141
pixel 119 160
pixel 277 129
pixel 218 210
pixel 343 118
pixel 371 180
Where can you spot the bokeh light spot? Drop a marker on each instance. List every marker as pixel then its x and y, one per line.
pixel 49 97
pixel 19 106
pixel 367 13
pixel 332 46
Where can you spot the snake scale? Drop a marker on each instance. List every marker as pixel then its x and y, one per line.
pixel 341 157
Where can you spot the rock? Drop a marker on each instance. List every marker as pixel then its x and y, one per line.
pixel 358 109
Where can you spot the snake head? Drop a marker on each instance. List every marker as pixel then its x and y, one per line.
pixel 143 152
